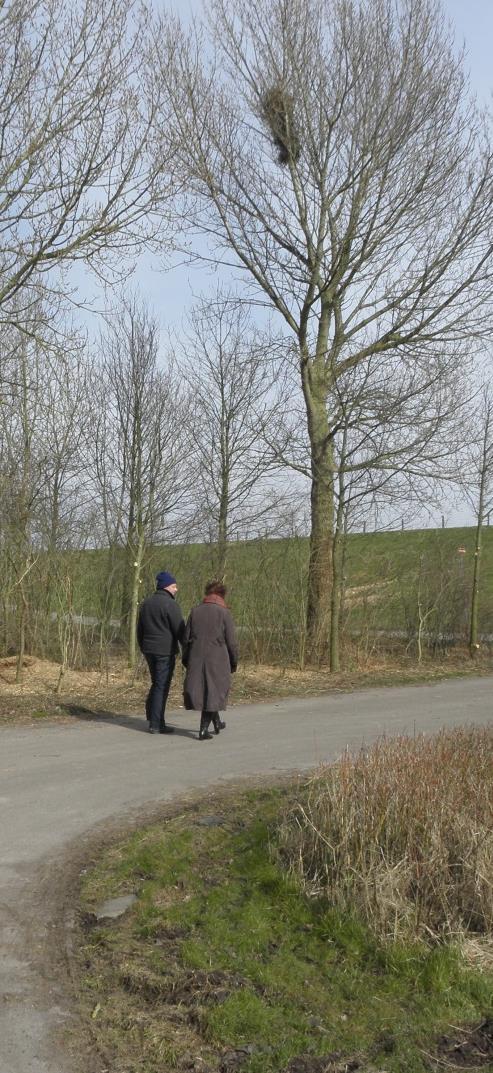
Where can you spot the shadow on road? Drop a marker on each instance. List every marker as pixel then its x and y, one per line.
pixel 131 722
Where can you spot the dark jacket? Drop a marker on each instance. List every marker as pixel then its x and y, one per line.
pixel 160 625
pixel 210 653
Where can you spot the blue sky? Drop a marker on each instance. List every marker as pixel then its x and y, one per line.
pixel 473 20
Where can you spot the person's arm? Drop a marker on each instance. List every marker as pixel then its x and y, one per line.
pixel 185 644
pixel 231 641
pixel 140 630
pixel 177 622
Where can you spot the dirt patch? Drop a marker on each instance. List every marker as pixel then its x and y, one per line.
pixel 370 593
pixel 468 1049
pixel 211 987
pixel 305 1063
pixel 329 1063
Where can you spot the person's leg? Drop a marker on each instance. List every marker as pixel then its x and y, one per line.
pixel 166 688
pixel 161 670
pixel 218 723
pixel 150 663
pixel 205 719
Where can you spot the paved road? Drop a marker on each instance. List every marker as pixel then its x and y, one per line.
pixel 58 783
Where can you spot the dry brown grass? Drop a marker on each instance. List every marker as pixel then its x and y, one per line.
pixel 119 691
pixel 41 675
pixel 402 834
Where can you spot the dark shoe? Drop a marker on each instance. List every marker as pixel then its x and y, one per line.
pixel 204 735
pixel 150 730
pixel 219 725
pixel 166 730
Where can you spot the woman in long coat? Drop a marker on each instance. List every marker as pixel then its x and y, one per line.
pixel 210 655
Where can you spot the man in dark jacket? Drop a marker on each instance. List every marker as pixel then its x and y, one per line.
pixel 160 627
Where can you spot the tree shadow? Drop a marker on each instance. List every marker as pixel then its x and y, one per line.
pixel 130 722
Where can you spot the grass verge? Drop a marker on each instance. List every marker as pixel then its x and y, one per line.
pixel 223 964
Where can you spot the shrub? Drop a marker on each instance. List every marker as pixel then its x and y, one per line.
pixel 402 833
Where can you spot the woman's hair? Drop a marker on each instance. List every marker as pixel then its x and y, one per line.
pixel 215 588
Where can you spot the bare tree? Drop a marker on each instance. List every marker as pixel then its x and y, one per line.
pixel 62 429
pixel 43 429
pixel 397 432
pixel 22 479
pixel 332 151
pixel 230 367
pixel 138 441
pixel 81 173
pixel 397 426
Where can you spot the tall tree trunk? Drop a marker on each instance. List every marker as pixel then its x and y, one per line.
pixel 473 625
pixel 320 570
pixel 106 607
pixel 337 584
pixel 132 563
pixel 316 386
pixel 315 379
pixel 222 528
pixel 320 574
pixel 23 509
pixel 137 558
pixel 53 564
pixel 19 670
pixel 222 531
pixel 65 614
pixel 338 560
pixel 129 553
pixel 335 602
pixel 221 559
pixel 473 628
pixel 126 587
pixel 483 478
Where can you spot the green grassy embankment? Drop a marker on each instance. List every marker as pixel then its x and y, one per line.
pixel 385 576
pixel 228 960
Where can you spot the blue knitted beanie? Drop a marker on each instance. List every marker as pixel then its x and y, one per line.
pixel 164 579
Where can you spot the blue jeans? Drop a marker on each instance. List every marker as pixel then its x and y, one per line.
pixel 161 670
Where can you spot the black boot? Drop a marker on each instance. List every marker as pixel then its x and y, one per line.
pixel 219 724
pixel 204 727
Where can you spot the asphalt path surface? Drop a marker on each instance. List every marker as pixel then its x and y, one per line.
pixel 61 784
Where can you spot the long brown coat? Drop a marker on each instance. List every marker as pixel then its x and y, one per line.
pixel 210 654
